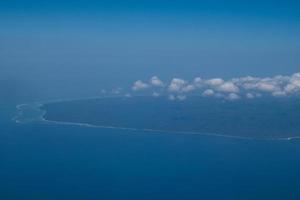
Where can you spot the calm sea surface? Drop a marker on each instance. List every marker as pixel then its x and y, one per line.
pixel 40 161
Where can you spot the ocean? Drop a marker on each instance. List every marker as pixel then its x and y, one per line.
pixel 55 161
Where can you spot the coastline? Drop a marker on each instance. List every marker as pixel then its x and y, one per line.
pixel 42 118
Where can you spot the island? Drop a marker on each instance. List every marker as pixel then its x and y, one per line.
pixel 271 118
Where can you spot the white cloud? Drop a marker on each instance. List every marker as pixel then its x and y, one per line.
pixel 198 82
pixel 267 86
pixel 294 84
pixel 247 87
pixel 188 88
pixel 176 85
pixel 208 93
pixel 229 87
pixel 139 85
pixel 155 81
pixel 290 88
pixel 246 79
pixel 214 82
pixel 232 97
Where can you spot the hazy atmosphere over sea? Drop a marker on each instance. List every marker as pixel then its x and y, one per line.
pixel 53 49
pixel 241 58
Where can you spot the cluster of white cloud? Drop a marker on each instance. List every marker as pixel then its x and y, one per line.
pixel 139 85
pixel 233 89
pixel 153 82
pixel 177 85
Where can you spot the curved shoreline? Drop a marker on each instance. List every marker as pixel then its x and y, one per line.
pixel 42 118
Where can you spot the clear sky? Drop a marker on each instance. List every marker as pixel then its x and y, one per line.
pixel 55 48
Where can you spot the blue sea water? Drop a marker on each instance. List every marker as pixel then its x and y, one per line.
pixel 46 161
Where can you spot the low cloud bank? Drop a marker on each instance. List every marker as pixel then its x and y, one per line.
pixel 233 89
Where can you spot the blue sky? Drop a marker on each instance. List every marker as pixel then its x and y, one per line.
pixel 78 46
